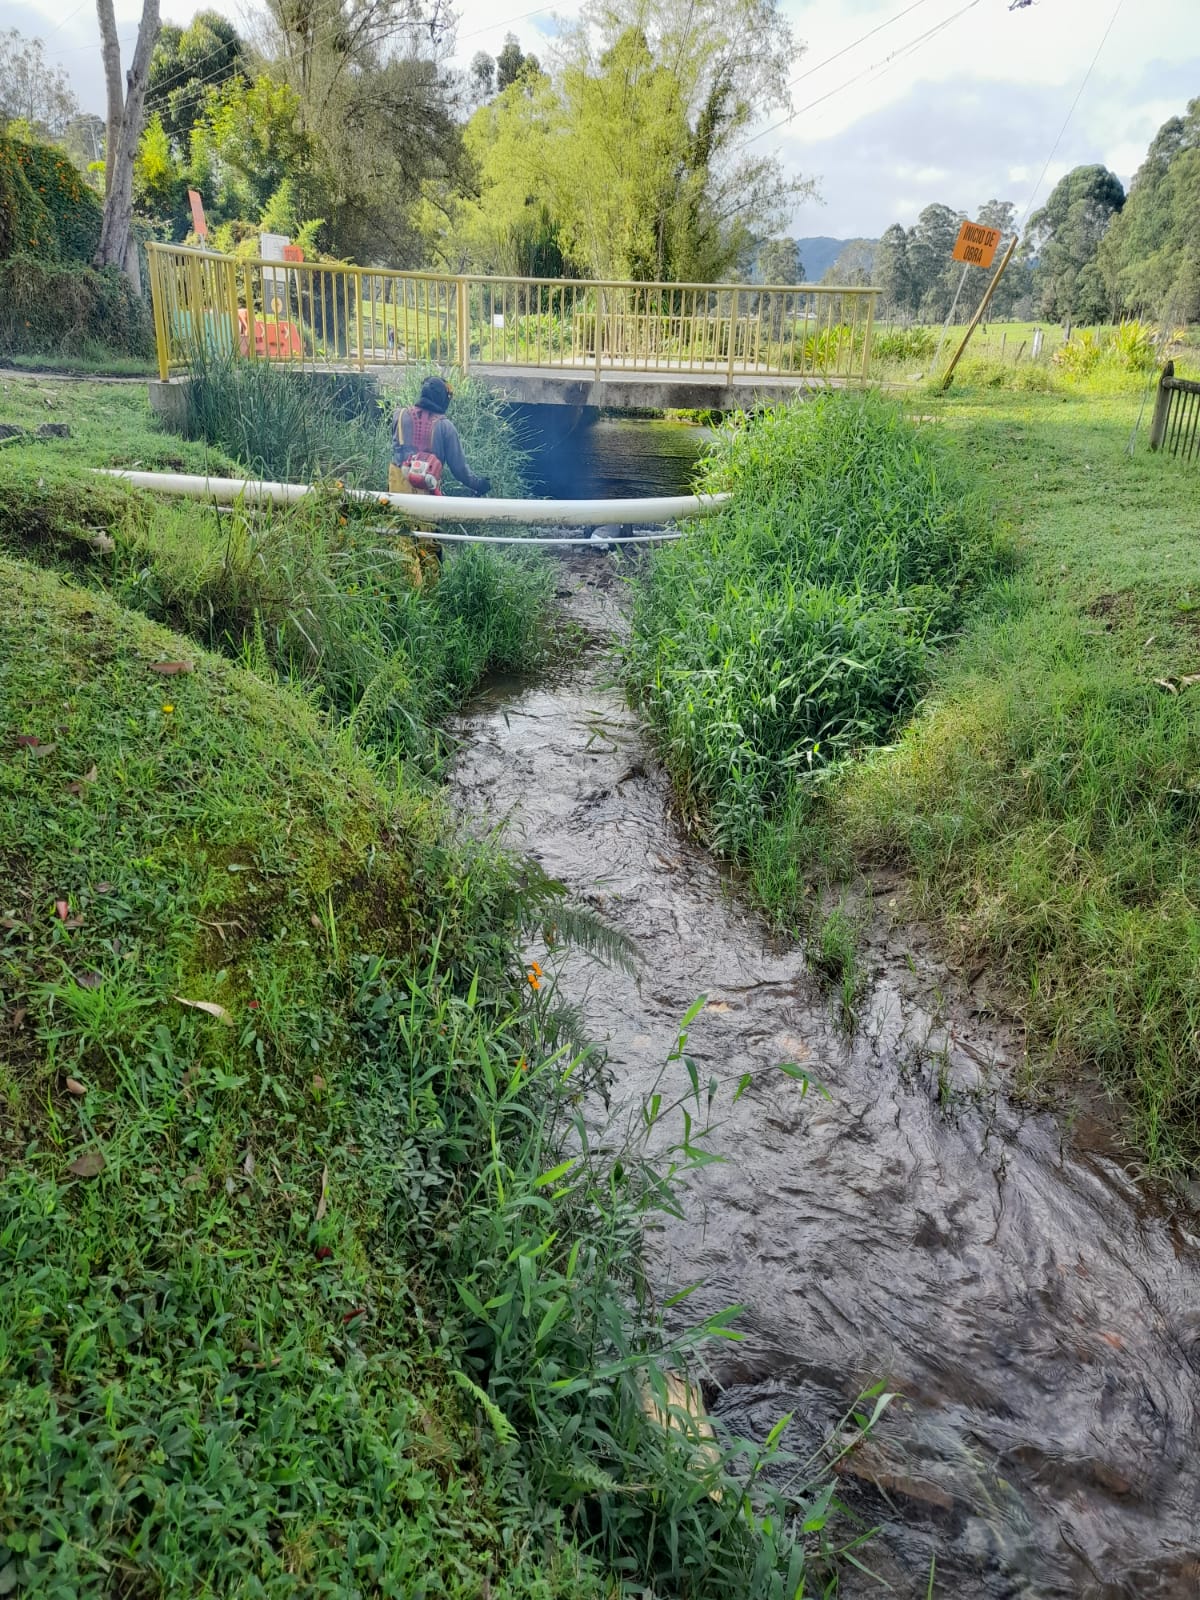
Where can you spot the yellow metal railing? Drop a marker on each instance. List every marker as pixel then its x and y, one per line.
pixel 331 316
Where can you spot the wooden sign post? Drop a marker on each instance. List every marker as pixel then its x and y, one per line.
pixel 983 304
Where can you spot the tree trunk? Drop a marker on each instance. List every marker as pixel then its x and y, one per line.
pixel 110 52
pixel 126 114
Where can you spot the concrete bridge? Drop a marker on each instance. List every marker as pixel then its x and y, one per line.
pixel 541 341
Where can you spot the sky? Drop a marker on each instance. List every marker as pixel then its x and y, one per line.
pixel 958 101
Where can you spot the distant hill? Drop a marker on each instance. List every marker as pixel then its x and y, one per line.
pixel 818 255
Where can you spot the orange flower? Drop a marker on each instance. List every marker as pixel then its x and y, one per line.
pixel 532 977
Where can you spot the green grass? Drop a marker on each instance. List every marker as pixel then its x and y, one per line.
pixel 1045 796
pixel 94 362
pixel 111 426
pixel 785 634
pixel 313 1276
pixel 315 593
pixel 1034 763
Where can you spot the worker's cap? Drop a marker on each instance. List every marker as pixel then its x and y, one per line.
pixel 436 395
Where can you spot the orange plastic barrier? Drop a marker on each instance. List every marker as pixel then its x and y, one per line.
pixel 275 340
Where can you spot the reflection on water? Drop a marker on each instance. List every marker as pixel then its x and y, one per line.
pixel 1040 1317
pixel 614 457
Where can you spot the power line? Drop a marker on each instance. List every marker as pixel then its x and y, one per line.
pixel 854 43
pixel 885 65
pixel 1069 115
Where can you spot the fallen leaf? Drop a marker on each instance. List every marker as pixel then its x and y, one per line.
pixel 88 1164
pixel 18 1017
pixel 168 669
pixel 73 922
pixel 721 1006
pixel 194 1180
pixel 89 980
pixel 318 1083
pixel 104 543
pixel 104 888
pixel 323 1202
pixel 62 910
pixel 29 741
pixel 323 1252
pixel 314 919
pixel 1114 1339
pixel 1165 683
pixel 75 1087
pixel 1187 681
pixel 40 750
pixel 248 1164
pixel 89 776
pixel 210 1006
pixel 359 1311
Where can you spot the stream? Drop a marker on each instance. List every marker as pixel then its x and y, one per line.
pixel 1036 1313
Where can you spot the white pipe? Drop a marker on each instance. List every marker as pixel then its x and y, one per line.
pixel 529 538
pixel 436 508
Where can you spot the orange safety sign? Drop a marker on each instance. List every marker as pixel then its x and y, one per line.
pixel 976 245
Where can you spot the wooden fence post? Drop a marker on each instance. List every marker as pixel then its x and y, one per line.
pixel 1162 407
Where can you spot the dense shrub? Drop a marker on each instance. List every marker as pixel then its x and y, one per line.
pixel 48 308
pixel 1132 347
pixel 46 208
pixel 904 344
pixel 794 630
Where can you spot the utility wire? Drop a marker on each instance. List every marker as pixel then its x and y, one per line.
pixel 1070 114
pixel 854 43
pixel 885 65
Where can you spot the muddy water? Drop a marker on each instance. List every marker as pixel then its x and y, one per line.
pixel 1039 1317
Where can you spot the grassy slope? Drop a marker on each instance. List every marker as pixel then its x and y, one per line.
pixel 171 1336
pixel 1046 794
pixel 111 426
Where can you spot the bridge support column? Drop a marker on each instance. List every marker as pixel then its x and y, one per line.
pixel 169 400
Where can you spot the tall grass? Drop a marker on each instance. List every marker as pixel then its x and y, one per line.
pixel 314 593
pixel 795 630
pixel 299 426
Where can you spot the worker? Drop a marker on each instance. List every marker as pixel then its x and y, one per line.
pixel 425 443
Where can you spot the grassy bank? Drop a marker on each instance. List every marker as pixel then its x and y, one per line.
pixel 315 593
pixel 1029 753
pixel 1045 796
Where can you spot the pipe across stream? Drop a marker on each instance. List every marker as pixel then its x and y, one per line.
pixel 1038 1314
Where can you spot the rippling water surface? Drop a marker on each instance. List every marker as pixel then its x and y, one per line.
pixel 1039 1316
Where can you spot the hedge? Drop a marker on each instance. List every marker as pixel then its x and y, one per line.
pixel 46 208
pixel 49 309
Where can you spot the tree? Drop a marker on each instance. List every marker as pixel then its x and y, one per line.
pixel 83 140
pixel 511 63
pixel 854 266
pixel 481 78
pixel 778 263
pixel 930 249
pixel 31 90
pixel 1149 259
pixel 126 114
pixel 186 65
pixel 893 275
pixel 634 149
pixel 246 143
pixel 377 106
pixel 1064 237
